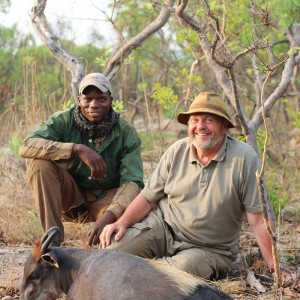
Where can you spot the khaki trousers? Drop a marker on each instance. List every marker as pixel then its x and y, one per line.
pixel 55 191
pixel 153 239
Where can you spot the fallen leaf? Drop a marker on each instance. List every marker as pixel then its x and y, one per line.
pixel 253 282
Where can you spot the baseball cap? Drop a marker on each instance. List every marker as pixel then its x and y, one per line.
pixel 96 79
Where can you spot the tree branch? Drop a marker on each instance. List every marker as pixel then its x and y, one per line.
pixel 277 93
pixel 262 194
pixel 225 79
pixel 43 30
pixel 264 17
pixel 118 58
pixel 115 27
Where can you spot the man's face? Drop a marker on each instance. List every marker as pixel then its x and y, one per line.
pixel 94 104
pixel 206 130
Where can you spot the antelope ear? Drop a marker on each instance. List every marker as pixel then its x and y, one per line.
pixel 51 238
pixel 49 258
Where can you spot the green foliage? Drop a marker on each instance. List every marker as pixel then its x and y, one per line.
pixel 11 63
pixel 142 12
pixel 14 142
pixel 39 82
pixel 164 96
pixel 9 39
pixel 154 145
pixel 291 258
pixel 188 35
pixel 277 195
pixel 260 137
pixel 118 106
pixel 285 12
pixel 241 138
pixel 293 114
pixel 183 77
pixel 33 222
pixel 102 60
pixel 141 87
pixel 293 49
pixel 67 104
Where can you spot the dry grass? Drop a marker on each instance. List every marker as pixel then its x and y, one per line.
pixel 19 222
pixel 18 215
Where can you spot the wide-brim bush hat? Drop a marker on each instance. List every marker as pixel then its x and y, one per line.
pixel 206 102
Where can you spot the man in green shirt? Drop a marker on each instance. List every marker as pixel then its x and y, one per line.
pixel 86 161
pixel 190 212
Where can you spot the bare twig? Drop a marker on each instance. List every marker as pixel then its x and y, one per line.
pixel 115 27
pixel 263 15
pixel 260 183
pixel 118 58
pixel 237 102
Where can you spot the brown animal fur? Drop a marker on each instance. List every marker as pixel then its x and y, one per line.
pixel 36 251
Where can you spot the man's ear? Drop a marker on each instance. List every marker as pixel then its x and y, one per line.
pixel 78 100
pixel 225 125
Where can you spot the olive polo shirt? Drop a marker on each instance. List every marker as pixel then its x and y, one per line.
pixel 205 205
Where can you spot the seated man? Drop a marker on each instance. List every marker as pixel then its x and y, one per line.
pixel 190 212
pixel 86 161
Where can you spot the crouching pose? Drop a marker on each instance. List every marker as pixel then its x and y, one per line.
pixel 86 161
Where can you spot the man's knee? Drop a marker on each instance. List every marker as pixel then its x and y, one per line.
pixel 200 268
pixel 130 242
pixel 138 242
pixel 201 263
pixel 38 165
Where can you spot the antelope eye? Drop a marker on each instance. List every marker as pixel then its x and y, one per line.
pixel 35 276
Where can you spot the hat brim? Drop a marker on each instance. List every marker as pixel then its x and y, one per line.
pixel 183 117
pixel 101 87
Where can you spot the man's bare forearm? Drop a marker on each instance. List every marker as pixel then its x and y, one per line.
pixel 136 211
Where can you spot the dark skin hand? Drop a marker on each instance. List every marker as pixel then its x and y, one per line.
pixel 92 159
pixel 94 234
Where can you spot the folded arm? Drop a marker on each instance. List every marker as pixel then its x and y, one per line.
pixel 46 149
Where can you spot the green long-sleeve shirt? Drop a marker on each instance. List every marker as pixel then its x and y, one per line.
pixel 121 151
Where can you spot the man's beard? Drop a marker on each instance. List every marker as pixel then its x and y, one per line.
pixel 207 145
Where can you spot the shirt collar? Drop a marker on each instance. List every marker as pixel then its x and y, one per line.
pixel 218 157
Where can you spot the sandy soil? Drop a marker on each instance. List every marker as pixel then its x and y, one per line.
pixel 13 258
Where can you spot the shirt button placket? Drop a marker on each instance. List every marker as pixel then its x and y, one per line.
pixel 204 176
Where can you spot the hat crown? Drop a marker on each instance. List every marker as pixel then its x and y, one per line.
pixel 206 102
pixel 96 79
pixel 210 101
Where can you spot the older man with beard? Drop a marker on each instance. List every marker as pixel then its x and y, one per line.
pixel 190 212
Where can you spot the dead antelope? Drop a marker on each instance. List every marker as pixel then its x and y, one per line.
pixel 104 274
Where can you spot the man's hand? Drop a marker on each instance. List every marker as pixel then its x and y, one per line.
pixel 108 230
pixel 94 234
pixel 92 159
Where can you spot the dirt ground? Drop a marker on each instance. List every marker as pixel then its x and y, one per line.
pixel 13 258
